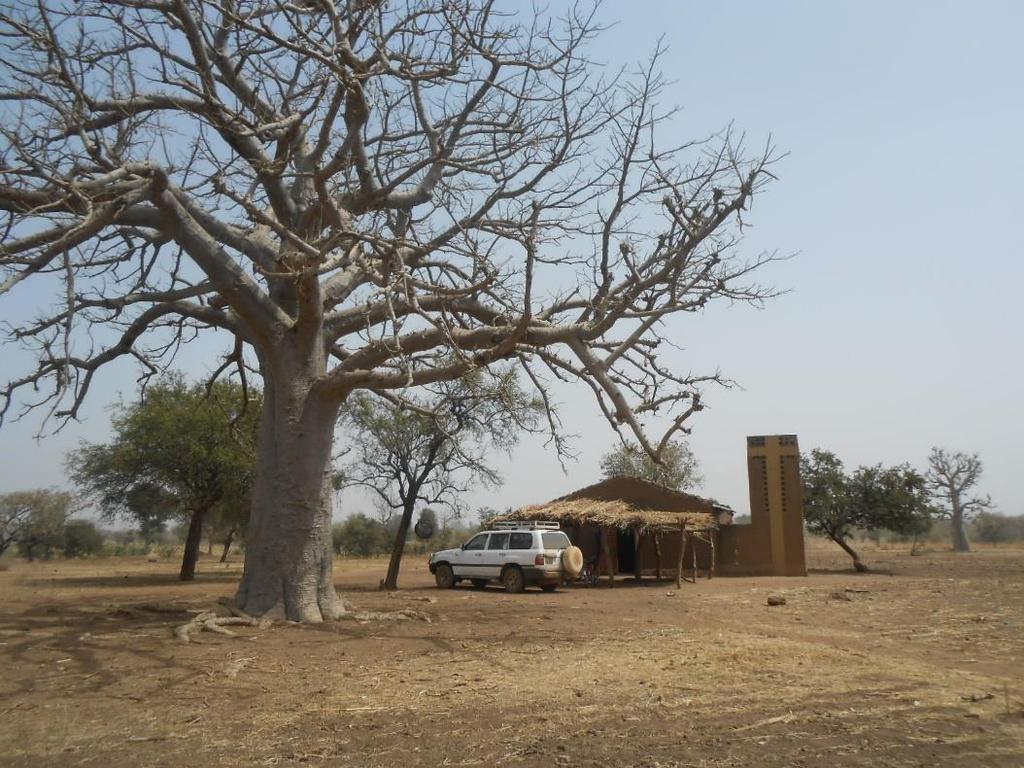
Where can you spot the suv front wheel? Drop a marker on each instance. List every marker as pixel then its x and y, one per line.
pixel 513 580
pixel 444 576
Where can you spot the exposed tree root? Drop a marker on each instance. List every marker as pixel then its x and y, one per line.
pixel 208 621
pixel 212 621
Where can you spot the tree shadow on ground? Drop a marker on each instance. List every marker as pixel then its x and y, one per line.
pixel 849 572
pixel 168 579
pixel 87 643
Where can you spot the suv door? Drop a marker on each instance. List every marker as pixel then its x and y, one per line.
pixel 496 555
pixel 469 562
pixel 521 548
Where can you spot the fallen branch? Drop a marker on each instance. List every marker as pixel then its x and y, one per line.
pixel 770 721
pixel 237 665
pixel 400 615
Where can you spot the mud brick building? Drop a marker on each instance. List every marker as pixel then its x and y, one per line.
pixel 626 525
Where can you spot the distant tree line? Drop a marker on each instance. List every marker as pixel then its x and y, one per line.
pixel 38 524
pixel 360 535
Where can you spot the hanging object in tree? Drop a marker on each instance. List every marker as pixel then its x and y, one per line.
pixel 426 526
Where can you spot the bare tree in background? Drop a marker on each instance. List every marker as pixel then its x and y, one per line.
pixel 360 195
pixel 16 509
pixel 951 475
pixel 438 451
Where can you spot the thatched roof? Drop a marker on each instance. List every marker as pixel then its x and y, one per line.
pixel 579 508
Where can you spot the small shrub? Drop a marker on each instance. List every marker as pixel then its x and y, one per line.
pixel 82 539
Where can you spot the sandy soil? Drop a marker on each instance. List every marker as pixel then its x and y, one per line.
pixel 918 664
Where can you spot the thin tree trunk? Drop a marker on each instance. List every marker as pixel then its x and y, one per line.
pixel 192 542
pixel 228 540
pixel 858 566
pixel 398 548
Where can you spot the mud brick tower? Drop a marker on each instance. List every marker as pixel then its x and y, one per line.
pixel 773 543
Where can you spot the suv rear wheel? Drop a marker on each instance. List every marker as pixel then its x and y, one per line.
pixel 513 580
pixel 444 576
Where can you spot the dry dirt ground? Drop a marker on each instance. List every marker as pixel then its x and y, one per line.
pixel 917 664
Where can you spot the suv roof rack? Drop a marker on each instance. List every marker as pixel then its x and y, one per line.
pixel 546 525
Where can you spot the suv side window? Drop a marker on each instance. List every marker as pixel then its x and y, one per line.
pixel 498 541
pixel 477 542
pixel 520 541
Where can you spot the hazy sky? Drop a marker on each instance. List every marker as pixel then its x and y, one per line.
pixel 903 327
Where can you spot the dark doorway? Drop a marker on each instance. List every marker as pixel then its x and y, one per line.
pixel 626 551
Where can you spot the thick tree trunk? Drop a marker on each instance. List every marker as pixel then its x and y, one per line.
pixel 192 542
pixel 960 542
pixel 858 566
pixel 288 559
pixel 227 545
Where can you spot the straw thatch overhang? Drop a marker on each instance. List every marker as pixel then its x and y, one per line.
pixel 675 510
pixel 613 514
pixel 653 516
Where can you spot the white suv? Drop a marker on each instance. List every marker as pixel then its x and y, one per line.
pixel 518 554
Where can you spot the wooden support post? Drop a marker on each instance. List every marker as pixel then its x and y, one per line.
pixel 693 557
pixel 682 550
pixel 607 557
pixel 711 542
pixel 657 555
pixel 637 573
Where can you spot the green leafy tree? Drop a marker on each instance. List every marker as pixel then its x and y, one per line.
pixel 837 504
pixel 993 528
pixel 186 442
pixel 432 450
pixel 151 507
pixel 228 519
pixel 361 536
pixel 81 539
pixel 678 469
pixel 35 521
pixel 951 476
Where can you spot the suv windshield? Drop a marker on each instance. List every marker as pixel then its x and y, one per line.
pixel 555 540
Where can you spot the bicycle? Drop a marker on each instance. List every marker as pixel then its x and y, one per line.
pixel 590 574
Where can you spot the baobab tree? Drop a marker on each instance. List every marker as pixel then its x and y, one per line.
pixel 358 195
pixel 951 475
